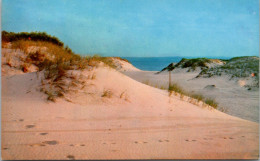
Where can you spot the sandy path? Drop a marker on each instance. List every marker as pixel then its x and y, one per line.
pixel 36 129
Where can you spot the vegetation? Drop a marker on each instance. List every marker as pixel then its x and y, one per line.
pixel 189 63
pixel 211 102
pixel 50 56
pixel 34 36
pixel 193 63
pixel 124 96
pixel 175 88
pixel 107 93
pixel 197 97
pixel 238 67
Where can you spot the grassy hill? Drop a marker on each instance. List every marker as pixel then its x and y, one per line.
pixel 42 53
pixel 192 64
pixel 235 68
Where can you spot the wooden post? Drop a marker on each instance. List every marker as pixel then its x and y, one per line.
pixel 170 80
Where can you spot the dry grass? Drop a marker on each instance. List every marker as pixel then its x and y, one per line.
pixel 222 109
pixel 124 96
pixel 177 89
pixel 55 61
pixel 107 93
pixel 198 97
pixel 162 88
pixel 93 76
pixel 25 67
pixel 211 102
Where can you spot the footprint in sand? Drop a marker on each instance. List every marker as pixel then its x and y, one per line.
pixel 144 142
pixel 228 138
pixel 71 157
pixel 38 144
pixel 5 148
pixel 30 126
pixel 242 136
pixel 163 140
pixel 77 145
pixel 190 140
pixel 43 133
pixel 21 120
pixel 113 143
pixel 53 142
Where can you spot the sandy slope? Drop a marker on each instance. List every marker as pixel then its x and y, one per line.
pixel 137 122
pixel 235 99
pixel 122 65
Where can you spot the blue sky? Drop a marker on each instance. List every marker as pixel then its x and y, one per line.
pixel 143 28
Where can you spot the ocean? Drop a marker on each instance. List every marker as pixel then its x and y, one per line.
pixel 152 63
pixel 156 63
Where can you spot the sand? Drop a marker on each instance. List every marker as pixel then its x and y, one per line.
pixel 136 122
pixel 230 95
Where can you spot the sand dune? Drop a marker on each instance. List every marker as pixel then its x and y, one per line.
pixel 134 121
pixel 230 95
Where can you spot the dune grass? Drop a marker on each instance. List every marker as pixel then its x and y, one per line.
pixel 50 56
pixel 198 97
pixel 34 36
pixel 177 89
pixel 211 102
pixel 107 93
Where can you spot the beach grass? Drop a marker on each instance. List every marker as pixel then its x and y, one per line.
pixel 49 55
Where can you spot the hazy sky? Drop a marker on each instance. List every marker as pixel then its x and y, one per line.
pixel 142 27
